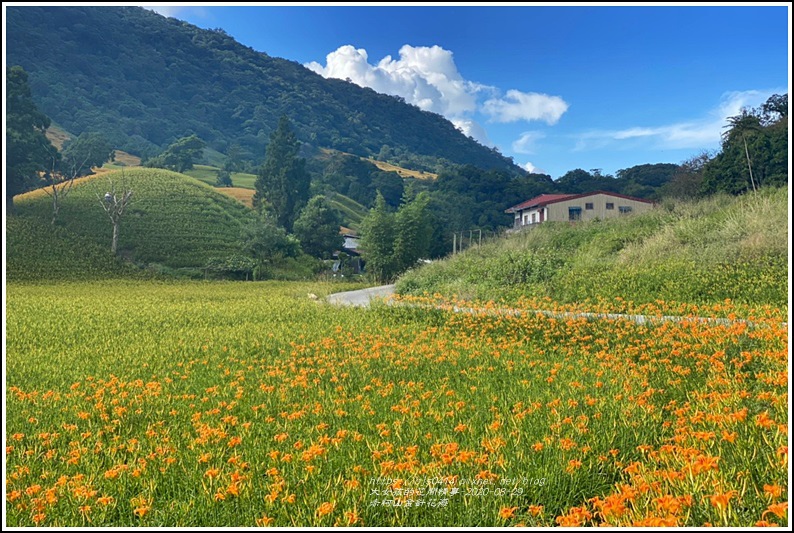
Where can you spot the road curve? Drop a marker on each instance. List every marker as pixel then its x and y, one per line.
pixel 361 298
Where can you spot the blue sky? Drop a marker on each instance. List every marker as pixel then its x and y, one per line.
pixel 555 87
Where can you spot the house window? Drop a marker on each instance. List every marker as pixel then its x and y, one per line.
pixel 534 217
pixel 588 206
pixel 624 209
pixel 610 205
pixel 574 213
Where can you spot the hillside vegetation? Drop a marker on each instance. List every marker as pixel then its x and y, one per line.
pixel 173 221
pixel 698 252
pixel 37 251
pixel 145 80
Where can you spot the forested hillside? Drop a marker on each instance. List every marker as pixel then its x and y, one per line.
pixel 145 80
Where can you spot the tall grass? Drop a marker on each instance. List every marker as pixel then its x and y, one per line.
pixel 700 252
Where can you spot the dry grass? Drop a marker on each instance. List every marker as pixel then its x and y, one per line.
pixel 403 172
pixel 57 136
pixel 386 167
pixel 128 160
pixel 245 196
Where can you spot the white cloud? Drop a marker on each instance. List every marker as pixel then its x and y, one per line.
pixel 474 130
pixel 693 134
pixel 529 167
pixel 176 10
pixel 427 77
pixel 525 144
pixel 517 105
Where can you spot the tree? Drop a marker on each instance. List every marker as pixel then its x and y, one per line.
pixel 28 151
pixel 414 231
pixel 77 159
pixel 687 181
pixel 80 155
pixel 224 179
pixel 377 240
pixel 282 179
pixel 754 150
pixel 115 203
pixel 267 244
pixel 317 228
pixel 180 155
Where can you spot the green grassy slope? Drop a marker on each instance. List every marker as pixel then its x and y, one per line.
pixel 209 175
pixel 37 251
pixel 703 252
pixel 174 220
pixel 352 212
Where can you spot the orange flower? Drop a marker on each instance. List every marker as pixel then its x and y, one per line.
pixel 535 510
pixel 773 490
pixel 729 436
pixel 352 517
pixel 507 512
pixel 264 521
pixel 85 509
pixel 537 446
pixel 778 509
pixel 326 508
pixel 720 501
pixel 140 512
pixel 105 500
pixel 212 473
pixel 573 465
pixel 39 518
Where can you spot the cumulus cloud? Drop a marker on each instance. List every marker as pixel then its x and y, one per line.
pixel 474 130
pixel 175 11
pixel 516 105
pixel 427 77
pixel 525 144
pixel 693 134
pixel 532 169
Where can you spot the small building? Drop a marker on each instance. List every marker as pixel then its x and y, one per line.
pixel 350 254
pixel 573 207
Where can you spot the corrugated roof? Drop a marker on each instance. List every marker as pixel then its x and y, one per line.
pixel 546 199
pixel 543 199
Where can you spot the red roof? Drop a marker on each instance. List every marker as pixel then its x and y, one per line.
pixel 546 199
pixel 543 199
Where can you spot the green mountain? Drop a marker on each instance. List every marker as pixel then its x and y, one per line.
pixel 144 80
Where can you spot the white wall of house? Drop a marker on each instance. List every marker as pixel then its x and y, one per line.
pixel 595 206
pixel 527 217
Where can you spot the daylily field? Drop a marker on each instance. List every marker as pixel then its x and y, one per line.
pixel 250 404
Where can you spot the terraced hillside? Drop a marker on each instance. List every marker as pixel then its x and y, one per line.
pixel 174 220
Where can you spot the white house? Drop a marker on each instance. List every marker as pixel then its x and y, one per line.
pixel 570 207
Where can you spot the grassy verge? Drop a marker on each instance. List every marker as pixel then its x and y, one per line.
pixel 702 252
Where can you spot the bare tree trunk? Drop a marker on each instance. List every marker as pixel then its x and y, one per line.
pixel 115 243
pixel 55 206
pixel 749 167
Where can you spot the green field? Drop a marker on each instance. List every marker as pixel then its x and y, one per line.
pixel 249 404
pixel 174 220
pixel 209 175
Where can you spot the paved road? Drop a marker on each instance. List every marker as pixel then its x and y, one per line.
pixel 361 298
